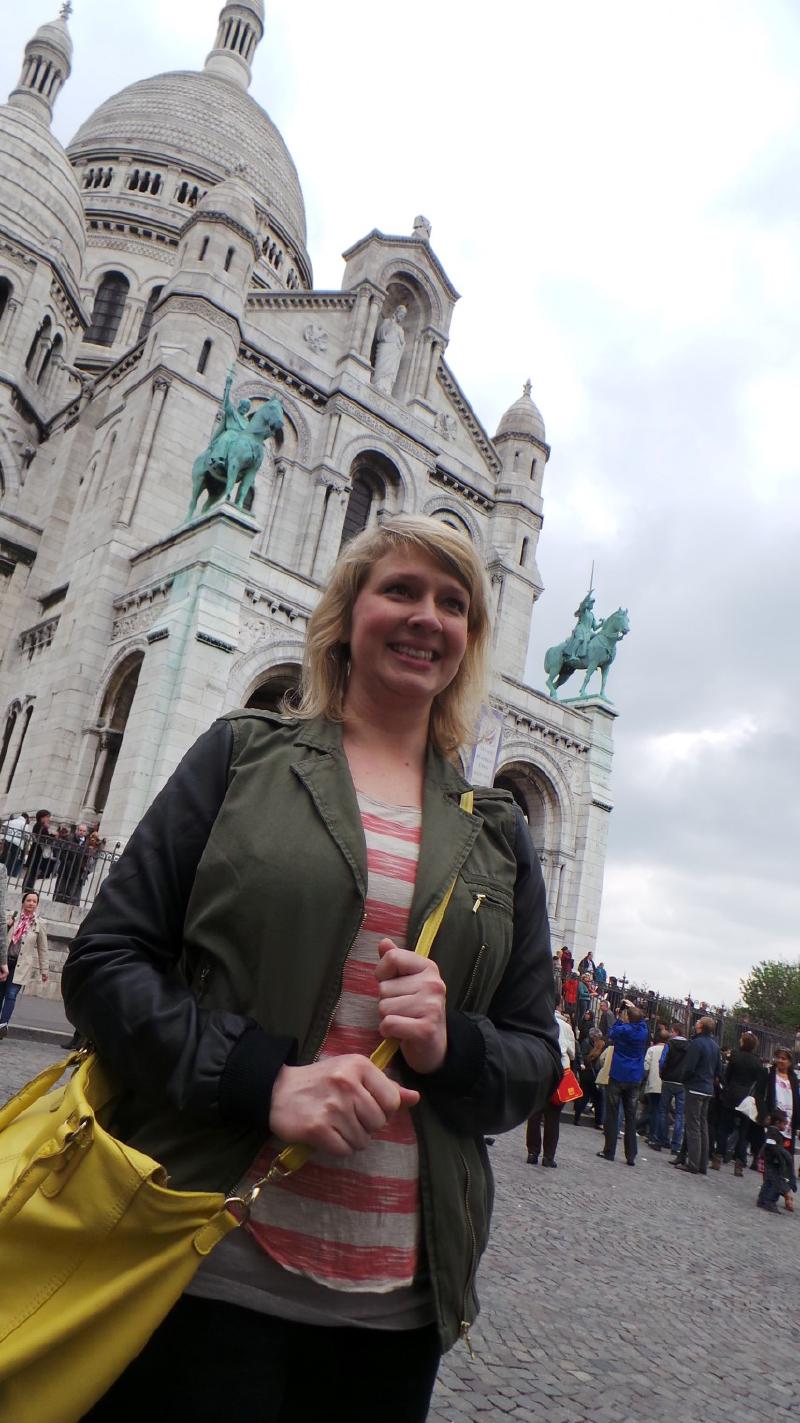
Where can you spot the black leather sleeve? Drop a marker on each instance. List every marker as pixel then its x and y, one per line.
pixel 502 1066
pixel 121 984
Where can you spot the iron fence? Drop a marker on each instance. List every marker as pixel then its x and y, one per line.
pixel 59 869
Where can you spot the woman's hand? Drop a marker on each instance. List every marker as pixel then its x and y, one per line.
pixel 336 1105
pixel 411 1001
pixel 3 975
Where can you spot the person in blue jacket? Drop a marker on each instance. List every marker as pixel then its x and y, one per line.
pixel 629 1038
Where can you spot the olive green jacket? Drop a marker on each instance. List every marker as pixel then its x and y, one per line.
pixel 215 950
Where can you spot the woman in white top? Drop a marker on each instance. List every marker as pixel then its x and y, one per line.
pixel 652 1081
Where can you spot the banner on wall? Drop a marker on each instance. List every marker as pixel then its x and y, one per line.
pixel 484 757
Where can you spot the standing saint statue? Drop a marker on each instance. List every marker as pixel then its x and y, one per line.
pixel 389 351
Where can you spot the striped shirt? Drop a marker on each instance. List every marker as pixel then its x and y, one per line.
pixel 353 1223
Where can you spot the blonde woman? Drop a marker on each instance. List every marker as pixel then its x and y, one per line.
pixel 254 944
pixel 24 957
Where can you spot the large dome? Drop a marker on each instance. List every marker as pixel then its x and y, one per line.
pixel 40 201
pixel 208 125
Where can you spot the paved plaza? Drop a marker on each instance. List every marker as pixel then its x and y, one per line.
pixel 613 1295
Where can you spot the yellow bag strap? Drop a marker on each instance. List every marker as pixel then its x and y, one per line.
pixel 293 1157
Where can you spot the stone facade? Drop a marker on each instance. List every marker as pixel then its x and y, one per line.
pixel 165 247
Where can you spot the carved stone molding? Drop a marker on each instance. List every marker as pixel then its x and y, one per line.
pixel 479 435
pixel 277 608
pixel 446 424
pixel 302 388
pixel 16 254
pixel 198 306
pixel 301 301
pixel 39 637
pixel 445 480
pixel 138 611
pixel 382 428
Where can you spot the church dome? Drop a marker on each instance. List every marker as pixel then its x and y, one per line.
pixel 40 200
pixel 522 418
pixel 204 123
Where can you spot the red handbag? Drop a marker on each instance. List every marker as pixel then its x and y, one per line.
pixel 568 1090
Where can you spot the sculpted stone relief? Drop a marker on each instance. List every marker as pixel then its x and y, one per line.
pixel 316 337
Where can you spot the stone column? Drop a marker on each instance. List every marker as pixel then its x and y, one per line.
pixel 330 535
pixel 581 912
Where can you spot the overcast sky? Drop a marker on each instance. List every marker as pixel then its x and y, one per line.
pixel 613 188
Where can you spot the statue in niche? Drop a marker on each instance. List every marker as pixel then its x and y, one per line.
pixel 236 451
pixel 389 351
pixel 591 646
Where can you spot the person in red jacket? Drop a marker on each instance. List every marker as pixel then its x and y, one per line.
pixel 571 997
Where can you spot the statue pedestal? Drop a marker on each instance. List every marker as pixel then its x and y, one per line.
pixel 184 675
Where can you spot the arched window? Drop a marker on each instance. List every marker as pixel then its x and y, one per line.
pixel 358 508
pixel 147 317
pixel 229 256
pixel 5 295
pixel 20 744
pixel 41 336
pixel 373 477
pixel 109 304
pixel 204 355
pixel 114 715
pixel 204 248
pixel 8 732
pixel 54 349
pixel 523 553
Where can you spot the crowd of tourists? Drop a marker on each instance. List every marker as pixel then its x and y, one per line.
pixel 59 860
pixel 671 1084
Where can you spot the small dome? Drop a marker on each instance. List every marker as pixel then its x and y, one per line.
pixel 206 124
pixel 231 198
pixel 523 417
pixel 39 195
pixel 55 34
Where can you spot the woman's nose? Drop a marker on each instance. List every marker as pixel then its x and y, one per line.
pixel 425 615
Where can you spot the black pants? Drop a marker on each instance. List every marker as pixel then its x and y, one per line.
pixel 533 1134
pixel 697 1131
pixel 628 1094
pixel 216 1363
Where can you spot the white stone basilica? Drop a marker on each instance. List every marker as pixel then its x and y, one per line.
pixel 165 246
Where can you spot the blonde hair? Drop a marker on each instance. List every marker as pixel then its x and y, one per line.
pixel 326 659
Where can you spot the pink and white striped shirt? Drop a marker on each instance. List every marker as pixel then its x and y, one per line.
pixel 353 1223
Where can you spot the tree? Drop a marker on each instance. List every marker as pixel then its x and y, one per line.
pixel 772 993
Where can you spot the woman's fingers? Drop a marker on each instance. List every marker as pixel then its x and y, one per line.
pixel 337 1104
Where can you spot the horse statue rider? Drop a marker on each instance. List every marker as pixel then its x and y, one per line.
pixel 577 644
pixel 592 645
pixel 236 450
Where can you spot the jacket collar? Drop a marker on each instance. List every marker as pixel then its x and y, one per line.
pixel 448 832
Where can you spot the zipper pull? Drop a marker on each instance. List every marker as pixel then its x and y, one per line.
pixel 202 982
pixel 479 898
pixel 464 1332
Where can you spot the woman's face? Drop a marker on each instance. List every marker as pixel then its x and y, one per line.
pixel 30 903
pixel 408 629
pixel 783 1062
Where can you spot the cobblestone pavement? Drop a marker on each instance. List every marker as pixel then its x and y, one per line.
pixel 611 1295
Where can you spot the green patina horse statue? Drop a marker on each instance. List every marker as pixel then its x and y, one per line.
pixel 560 662
pixel 236 451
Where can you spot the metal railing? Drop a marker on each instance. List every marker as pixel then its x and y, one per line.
pixel 60 870
pixel 660 1008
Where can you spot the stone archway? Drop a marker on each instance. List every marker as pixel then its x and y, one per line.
pixel 275 688
pixel 538 798
pixel 112 721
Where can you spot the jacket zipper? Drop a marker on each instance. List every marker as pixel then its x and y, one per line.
pixel 466 997
pixel 465 1325
pixel 202 982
